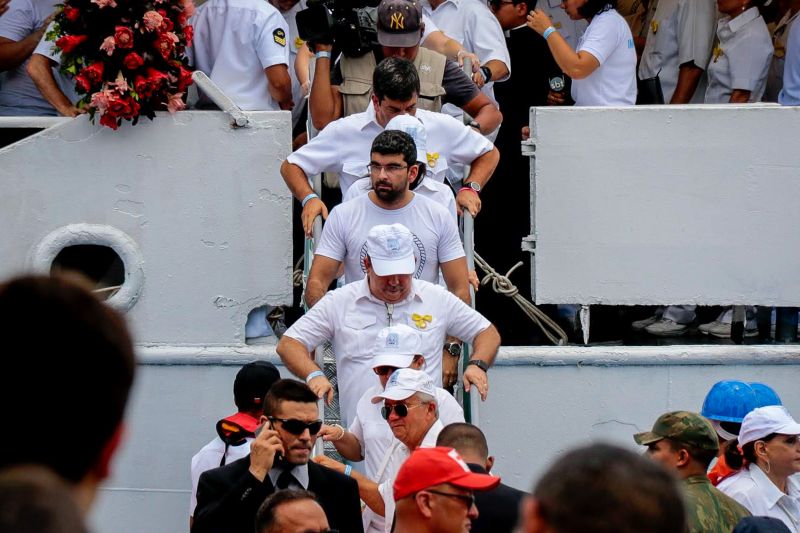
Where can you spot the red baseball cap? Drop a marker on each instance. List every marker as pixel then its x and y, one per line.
pixel 428 467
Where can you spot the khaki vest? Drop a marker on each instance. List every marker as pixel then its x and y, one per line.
pixel 356 89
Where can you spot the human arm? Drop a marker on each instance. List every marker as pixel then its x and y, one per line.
pixel 297 181
pixel 345 442
pixel 4 6
pixel 367 489
pixel 17 41
pixel 40 70
pixel 484 112
pixel 484 348
pixel 481 170
pixel 577 65
pixel 279 84
pixel 457 279
pixel 325 102
pixel 499 70
pixel 301 68
pixel 689 76
pixel 740 96
pixel 450 48
pixel 323 272
pixel 298 360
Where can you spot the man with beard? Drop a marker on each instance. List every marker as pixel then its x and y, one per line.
pixel 228 498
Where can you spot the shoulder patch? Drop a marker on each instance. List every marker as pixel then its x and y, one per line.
pixel 279 36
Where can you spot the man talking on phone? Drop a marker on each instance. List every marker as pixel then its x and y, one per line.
pixel 228 497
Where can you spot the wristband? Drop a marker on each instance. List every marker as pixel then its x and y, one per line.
pixel 487 74
pixel 347 470
pixel 322 53
pixel 340 428
pixel 315 374
pixel 307 198
pixel 470 189
pixel 549 31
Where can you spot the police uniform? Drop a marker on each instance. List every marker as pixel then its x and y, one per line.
pixel 343 146
pixel 681 31
pixel 351 318
pixel 709 510
pixel 234 41
pixel 790 91
pixel 740 59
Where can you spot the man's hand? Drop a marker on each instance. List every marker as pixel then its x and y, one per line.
pixel 449 369
pixel 329 433
pixel 526 133
pixel 474 376
pixel 464 54
pixel 330 463
pixel 71 111
pixel 314 208
pixel 539 21
pixel 474 281
pixel 322 387
pixel 468 200
pixel 556 98
pixel 262 452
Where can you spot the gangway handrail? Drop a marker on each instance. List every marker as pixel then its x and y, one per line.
pixel 222 100
pixel 31 122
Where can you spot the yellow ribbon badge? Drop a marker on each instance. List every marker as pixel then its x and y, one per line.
pixel 298 42
pixel 433 158
pixel 421 321
pixel 718 52
pixel 654 26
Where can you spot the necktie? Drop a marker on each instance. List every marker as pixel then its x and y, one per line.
pixel 285 479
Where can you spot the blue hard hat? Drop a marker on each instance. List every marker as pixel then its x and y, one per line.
pixel 729 401
pixel 765 395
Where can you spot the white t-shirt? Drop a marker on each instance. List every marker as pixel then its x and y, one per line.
pixel 741 59
pixel 608 38
pixel 681 31
pixel 437 191
pixel 234 41
pixel 210 457
pixel 436 239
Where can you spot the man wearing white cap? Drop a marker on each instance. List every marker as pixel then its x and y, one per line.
pixel 369 437
pixel 352 316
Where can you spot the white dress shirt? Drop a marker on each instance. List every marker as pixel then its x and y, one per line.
pixel 210 457
pixel 351 317
pixel 790 93
pixel 752 488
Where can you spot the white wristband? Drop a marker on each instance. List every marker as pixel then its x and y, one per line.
pixel 315 374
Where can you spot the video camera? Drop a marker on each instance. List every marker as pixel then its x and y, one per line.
pixel 350 25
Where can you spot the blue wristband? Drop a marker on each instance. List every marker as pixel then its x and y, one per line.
pixel 322 53
pixel 549 31
pixel 307 198
pixel 347 470
pixel 315 374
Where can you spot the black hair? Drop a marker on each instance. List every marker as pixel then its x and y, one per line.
pixel 466 437
pixel 74 369
pixel 703 456
pixel 603 488
pixel 737 459
pixel 265 517
pixel 592 8
pixel 289 390
pixel 395 78
pixel 391 142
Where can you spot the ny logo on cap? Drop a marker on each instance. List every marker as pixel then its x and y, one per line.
pixel 392 339
pixel 397 21
pixel 393 244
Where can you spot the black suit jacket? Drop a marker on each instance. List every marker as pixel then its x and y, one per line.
pixel 229 497
pixel 498 509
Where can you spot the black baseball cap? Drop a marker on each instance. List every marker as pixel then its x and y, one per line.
pixel 252 383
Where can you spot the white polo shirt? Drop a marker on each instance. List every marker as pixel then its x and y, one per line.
pixel 399 454
pixel 209 457
pixel 608 38
pixel 436 238
pixel 351 317
pixel 681 31
pixel 790 93
pixel 752 488
pixel 343 146
pixel 570 30
pixel 234 41
pixel 430 188
pixel 741 59
pixel 476 28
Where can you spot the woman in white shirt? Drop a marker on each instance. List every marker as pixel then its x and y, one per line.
pixel 737 72
pixel 603 68
pixel 770 449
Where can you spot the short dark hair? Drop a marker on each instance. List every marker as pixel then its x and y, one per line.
pixel 265 517
pixel 703 456
pixel 736 458
pixel 73 371
pixel 287 390
pixel 391 142
pixel 395 78
pixel 463 436
pixel 593 8
pixel 603 488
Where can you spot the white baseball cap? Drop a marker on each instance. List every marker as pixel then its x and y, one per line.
pixel 764 421
pixel 396 346
pixel 390 248
pixel 404 383
pixel 414 127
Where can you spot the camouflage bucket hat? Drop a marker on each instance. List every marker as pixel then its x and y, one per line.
pixel 684 427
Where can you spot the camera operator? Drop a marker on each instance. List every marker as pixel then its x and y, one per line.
pixel 400 29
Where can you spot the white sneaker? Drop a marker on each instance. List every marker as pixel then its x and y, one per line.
pixel 723 331
pixel 666 328
pixel 639 325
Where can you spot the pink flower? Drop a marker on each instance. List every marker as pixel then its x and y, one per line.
pixel 100 101
pixel 175 103
pixel 121 83
pixel 152 20
pixel 105 3
pixel 108 45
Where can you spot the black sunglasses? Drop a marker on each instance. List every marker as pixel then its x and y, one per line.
pixel 297 427
pixel 469 499
pixel 383 370
pixel 400 410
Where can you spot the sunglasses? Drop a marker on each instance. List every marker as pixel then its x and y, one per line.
pixel 400 409
pixel 297 427
pixel 383 370
pixel 469 499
